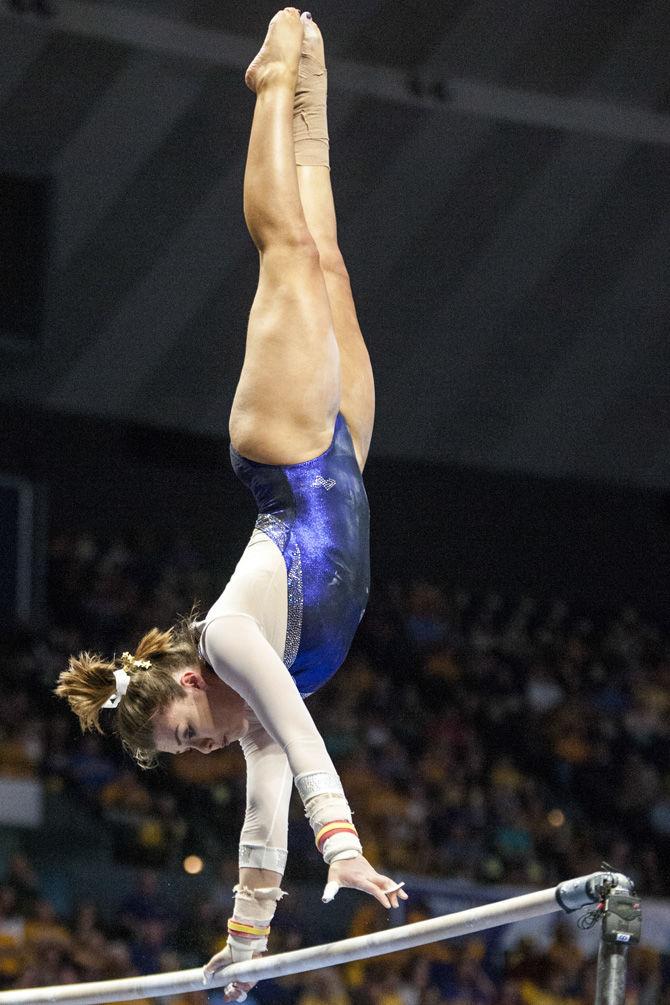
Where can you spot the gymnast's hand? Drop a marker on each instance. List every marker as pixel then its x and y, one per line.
pixel 358 874
pixel 237 990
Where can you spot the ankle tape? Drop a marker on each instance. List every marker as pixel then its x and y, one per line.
pixel 310 119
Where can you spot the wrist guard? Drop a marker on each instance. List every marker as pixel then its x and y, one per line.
pixel 329 815
pixel 249 927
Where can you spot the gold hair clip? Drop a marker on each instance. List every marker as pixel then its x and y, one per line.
pixel 130 663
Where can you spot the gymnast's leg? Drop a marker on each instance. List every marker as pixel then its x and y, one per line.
pixel 289 389
pixel 357 395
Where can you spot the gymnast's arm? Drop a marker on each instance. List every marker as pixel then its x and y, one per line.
pixel 239 653
pixel 264 837
pixel 283 745
pixel 236 648
pixel 263 853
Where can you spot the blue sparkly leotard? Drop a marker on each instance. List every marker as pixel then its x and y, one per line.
pixel 317 514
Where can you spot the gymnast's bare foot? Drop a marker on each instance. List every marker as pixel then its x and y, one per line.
pixel 278 59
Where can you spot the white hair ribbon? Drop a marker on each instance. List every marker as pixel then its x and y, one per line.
pixel 122 680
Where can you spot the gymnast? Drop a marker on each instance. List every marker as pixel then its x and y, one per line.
pixel 300 429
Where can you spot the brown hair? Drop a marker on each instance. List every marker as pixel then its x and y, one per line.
pixel 89 682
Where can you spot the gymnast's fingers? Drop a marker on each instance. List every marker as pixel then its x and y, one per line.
pixel 367 886
pixel 329 891
pixel 398 893
pixel 378 888
pixel 393 891
pixel 236 992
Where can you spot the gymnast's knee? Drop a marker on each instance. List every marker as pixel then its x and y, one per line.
pixel 287 237
pixel 332 261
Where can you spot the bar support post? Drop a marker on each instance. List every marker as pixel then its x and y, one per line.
pixel 621 927
pixel 611 974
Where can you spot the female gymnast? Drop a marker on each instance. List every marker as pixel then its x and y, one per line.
pixel 300 429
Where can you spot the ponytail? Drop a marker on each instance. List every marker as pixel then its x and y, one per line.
pixel 89 683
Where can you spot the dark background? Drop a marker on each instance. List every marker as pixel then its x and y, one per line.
pixel 600 545
pixel 502 179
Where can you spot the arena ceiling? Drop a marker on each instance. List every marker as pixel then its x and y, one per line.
pixel 502 173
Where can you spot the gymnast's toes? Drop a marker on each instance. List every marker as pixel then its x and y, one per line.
pixel 277 61
pixel 312 44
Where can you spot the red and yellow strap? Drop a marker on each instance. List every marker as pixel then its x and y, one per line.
pixel 242 931
pixel 334 827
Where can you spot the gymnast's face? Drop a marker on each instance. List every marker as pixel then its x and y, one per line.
pixel 210 716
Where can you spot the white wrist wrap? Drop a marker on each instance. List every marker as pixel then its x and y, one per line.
pixel 254 909
pixel 341 856
pixel 340 847
pixel 240 951
pixel 324 800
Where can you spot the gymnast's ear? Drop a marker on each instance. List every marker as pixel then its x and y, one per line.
pixel 192 678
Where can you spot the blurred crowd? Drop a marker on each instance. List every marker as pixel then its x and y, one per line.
pixel 38 947
pixel 493 739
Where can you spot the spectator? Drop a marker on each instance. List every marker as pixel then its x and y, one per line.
pixel 325 987
pixel 478 737
pixel 144 905
pixel 23 880
pixel 90 767
pixel 12 936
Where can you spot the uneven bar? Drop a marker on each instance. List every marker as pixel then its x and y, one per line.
pixel 567 896
pixel 404 937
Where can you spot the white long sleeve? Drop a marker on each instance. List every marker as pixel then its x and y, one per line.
pixel 264 837
pixel 242 638
pixel 237 650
